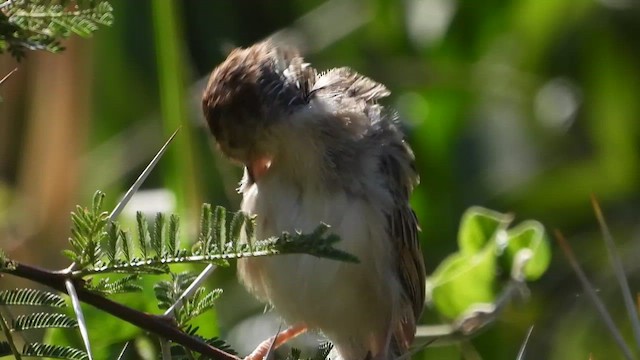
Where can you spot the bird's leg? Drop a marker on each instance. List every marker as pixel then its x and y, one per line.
pixel 278 340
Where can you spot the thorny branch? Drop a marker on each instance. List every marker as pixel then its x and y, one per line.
pixel 159 325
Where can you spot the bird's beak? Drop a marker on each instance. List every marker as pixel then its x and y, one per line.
pixel 258 166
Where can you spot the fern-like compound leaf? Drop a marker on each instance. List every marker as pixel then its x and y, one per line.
pixel 214 341
pixel 143 234
pixel 110 250
pixel 43 320
pixel 206 227
pixel 107 286
pixel 157 235
pixel 53 351
pixel 31 297
pixel 219 229
pixel 39 25
pixel 204 303
pixel 172 243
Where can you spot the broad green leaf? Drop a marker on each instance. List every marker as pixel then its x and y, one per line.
pixel 462 280
pixel 478 227
pixel 528 236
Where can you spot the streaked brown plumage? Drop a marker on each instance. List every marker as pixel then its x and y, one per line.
pixel 319 148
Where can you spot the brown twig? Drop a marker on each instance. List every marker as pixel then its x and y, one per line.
pixel 153 323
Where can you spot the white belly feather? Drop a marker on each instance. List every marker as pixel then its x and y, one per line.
pixel 353 303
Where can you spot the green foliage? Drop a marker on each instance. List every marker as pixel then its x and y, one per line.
pixel 321 353
pixel 487 249
pixel 107 286
pixel 5 263
pixel 529 236
pixel 100 246
pixel 479 226
pixel 31 297
pixel 88 231
pixel 37 320
pixel 179 352
pixel 316 243
pixel 41 24
pixel 168 293
pixel 53 351
pixel 43 320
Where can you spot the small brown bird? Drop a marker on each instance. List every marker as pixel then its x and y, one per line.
pixel 319 148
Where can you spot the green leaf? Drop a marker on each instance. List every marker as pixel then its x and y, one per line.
pixel 53 351
pixel 111 248
pixel 462 280
pixel 206 226
pixel 204 303
pixel 43 320
pixel 96 204
pixel 250 230
pixel 173 242
pixel 168 292
pixel 31 297
pixel 143 234
pixel 125 243
pixel 125 284
pixel 318 243
pixel 70 254
pixel 38 25
pixel 219 228
pixel 216 342
pixel 528 237
pixel 478 227
pixel 237 222
pixel 157 235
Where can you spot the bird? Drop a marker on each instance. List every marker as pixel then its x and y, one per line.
pixel 317 147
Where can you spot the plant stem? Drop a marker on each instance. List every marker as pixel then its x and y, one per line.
pixel 7 334
pixel 158 325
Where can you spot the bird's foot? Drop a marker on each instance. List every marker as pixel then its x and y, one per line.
pixel 275 342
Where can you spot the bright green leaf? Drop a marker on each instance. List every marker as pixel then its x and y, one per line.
pixel 529 236
pixel 462 280
pixel 478 227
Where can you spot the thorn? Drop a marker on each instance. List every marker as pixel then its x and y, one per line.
pixel 593 296
pixel 618 270
pixel 523 347
pixel 143 176
pixel 8 75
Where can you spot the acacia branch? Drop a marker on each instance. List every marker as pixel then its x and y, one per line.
pixel 158 325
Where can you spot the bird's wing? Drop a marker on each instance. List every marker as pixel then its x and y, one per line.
pixel 297 74
pixel 348 83
pixel 397 167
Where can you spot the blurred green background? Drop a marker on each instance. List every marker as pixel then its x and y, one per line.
pixel 522 106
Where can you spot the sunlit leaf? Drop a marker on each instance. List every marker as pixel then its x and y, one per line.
pixel 463 280
pixel 478 227
pixel 529 236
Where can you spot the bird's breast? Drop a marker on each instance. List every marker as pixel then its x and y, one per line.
pixel 322 293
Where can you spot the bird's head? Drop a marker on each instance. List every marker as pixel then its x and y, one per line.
pixel 249 95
